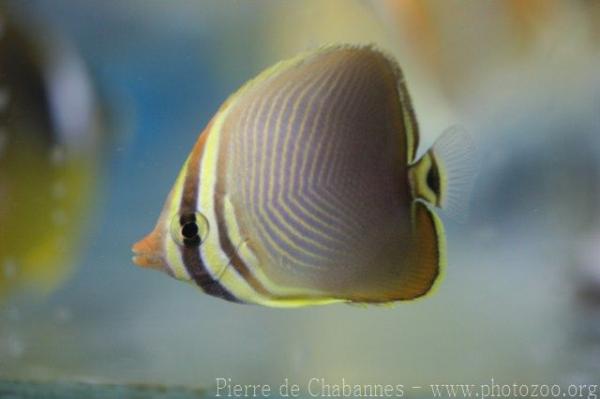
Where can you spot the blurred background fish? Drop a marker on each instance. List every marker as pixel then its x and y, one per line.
pixel 50 130
pixel 521 301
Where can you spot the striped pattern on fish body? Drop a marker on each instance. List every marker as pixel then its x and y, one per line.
pixel 303 189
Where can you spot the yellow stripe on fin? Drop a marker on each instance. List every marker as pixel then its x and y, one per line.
pixel 411 126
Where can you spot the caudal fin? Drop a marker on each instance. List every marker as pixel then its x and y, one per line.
pixel 455 153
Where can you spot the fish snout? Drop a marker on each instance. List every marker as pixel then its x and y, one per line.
pixel 148 252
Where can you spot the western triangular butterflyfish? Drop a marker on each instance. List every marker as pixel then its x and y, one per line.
pixel 305 189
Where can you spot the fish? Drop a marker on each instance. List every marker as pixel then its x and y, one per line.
pixel 50 162
pixel 305 189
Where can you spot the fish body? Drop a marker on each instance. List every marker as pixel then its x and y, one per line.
pixel 304 189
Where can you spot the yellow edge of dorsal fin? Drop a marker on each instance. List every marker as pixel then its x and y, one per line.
pixel 305 56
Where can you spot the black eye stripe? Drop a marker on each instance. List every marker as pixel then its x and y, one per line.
pixel 189 230
pixel 433 179
pixel 187 218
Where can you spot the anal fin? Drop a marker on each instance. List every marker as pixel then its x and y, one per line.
pixel 406 272
pixel 429 254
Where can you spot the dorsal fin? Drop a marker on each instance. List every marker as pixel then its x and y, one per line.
pixel 411 126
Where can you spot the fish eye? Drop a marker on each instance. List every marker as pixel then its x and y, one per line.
pixel 189 229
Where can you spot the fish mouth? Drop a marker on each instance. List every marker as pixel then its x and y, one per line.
pixel 147 253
